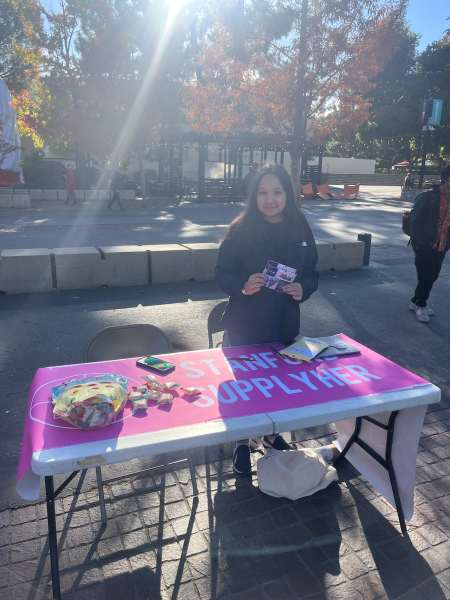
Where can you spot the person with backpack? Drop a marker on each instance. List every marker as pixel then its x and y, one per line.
pixel 430 239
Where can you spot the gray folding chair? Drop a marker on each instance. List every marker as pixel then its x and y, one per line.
pixel 214 324
pixel 128 341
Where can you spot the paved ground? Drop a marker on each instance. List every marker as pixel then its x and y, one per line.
pixel 233 542
pixel 52 224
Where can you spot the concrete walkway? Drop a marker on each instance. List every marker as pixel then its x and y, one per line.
pixel 233 542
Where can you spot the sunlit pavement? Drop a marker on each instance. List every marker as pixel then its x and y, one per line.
pixel 234 542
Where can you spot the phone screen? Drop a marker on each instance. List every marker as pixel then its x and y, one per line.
pixel 151 362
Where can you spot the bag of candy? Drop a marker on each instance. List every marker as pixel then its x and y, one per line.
pixel 90 403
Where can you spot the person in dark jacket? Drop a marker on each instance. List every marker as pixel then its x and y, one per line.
pixel 248 179
pixel 270 228
pixel 115 186
pixel 430 239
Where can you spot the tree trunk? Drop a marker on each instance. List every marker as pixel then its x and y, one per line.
pixel 295 176
pixel 143 182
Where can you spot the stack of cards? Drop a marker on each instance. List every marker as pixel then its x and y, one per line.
pixel 278 275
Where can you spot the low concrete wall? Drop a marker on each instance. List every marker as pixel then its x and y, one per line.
pixel 338 255
pixel 25 271
pixel 122 266
pixel 15 202
pixel 50 194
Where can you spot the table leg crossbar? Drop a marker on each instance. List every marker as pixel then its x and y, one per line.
pixel 384 462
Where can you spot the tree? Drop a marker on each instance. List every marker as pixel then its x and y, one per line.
pixel 320 73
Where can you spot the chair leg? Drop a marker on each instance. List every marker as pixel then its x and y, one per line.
pixel 101 497
pixel 192 470
pixel 52 539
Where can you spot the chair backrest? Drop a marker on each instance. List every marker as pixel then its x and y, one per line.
pixel 323 189
pixel 214 325
pixel 307 189
pixel 126 341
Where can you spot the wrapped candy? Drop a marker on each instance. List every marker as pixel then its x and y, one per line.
pixel 153 395
pixel 149 378
pixel 165 399
pixel 141 389
pixel 170 385
pixel 191 391
pixel 134 396
pixel 90 403
pixel 140 405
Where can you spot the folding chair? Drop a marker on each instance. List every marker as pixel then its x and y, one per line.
pixel 214 318
pixel 351 191
pixel 308 192
pixel 324 191
pixel 128 341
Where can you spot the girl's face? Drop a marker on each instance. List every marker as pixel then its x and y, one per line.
pixel 271 198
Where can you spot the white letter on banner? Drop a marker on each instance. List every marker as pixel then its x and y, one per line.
pixel 324 378
pixel 184 366
pixel 263 388
pixel 248 363
pixel 304 377
pixel 271 361
pixel 218 395
pixel 235 364
pixel 361 372
pixel 213 368
pixel 344 376
pixel 209 401
pixel 246 387
pixel 259 362
pixel 283 387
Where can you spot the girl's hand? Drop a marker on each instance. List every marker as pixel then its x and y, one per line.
pixel 255 283
pixel 295 290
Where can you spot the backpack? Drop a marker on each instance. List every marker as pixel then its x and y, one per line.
pixel 413 221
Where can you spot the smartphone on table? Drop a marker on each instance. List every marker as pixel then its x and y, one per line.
pixel 157 364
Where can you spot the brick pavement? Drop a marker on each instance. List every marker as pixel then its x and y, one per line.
pixel 161 542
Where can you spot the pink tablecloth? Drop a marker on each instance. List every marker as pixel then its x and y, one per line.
pixel 230 389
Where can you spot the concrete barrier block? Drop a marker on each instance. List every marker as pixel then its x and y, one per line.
pixel 104 195
pixel 50 194
pixel 91 194
pixel 347 255
pixel 326 254
pixel 128 194
pixel 62 194
pixel 36 194
pixel 124 265
pixel 5 201
pixel 78 268
pixel 203 260
pixel 25 271
pixel 169 263
pixel 79 195
pixel 20 192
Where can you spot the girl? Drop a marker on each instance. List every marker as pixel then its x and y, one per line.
pixel 270 228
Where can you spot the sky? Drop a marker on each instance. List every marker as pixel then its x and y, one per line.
pixel 426 18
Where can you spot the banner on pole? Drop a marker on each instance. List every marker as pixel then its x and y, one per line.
pixel 436 113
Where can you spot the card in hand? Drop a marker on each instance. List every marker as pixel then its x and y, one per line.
pixel 278 275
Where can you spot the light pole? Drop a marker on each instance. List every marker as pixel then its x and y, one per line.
pixel 433 83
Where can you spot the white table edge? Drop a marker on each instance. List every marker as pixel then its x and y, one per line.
pixel 338 410
pixel 122 449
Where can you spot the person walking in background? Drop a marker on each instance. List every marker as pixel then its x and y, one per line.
pixel 430 239
pixel 116 184
pixel 71 184
pixel 270 228
pixel 247 183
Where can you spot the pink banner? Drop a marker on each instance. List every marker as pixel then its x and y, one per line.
pixel 230 388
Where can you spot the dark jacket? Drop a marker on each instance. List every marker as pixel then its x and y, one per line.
pixel 252 315
pixel 425 218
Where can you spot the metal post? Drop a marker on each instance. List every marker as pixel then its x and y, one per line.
pixel 424 156
pixel 192 470
pixel 101 497
pixel 52 539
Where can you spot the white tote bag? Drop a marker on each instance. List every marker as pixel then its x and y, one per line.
pixel 294 474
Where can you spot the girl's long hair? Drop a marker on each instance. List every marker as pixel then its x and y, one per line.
pixel 248 224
